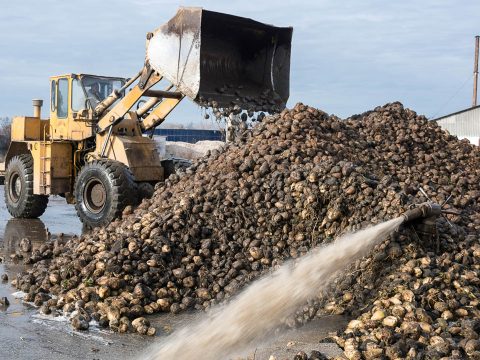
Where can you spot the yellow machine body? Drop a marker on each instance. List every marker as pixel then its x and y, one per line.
pixel 93 149
pixel 58 144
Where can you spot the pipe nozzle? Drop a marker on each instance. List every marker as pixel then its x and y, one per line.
pixel 424 210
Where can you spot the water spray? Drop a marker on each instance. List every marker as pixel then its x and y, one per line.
pixel 249 318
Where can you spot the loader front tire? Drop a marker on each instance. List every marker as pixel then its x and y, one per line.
pixel 102 190
pixel 19 197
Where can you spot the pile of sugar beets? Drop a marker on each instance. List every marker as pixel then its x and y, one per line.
pixel 298 179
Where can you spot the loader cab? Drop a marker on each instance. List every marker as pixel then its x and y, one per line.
pixel 72 100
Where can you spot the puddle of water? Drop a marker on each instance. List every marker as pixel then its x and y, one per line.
pixel 18 294
pixel 63 323
pixel 58 217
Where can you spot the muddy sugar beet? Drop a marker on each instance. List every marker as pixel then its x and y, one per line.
pixel 298 179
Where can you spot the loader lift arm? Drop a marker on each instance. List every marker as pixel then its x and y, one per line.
pixel 245 64
pixel 168 101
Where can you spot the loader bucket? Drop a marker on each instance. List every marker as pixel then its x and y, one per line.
pixel 214 57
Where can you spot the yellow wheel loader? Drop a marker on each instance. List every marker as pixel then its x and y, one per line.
pixel 95 151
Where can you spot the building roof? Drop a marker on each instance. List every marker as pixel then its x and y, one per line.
pixel 464 123
pixel 457 113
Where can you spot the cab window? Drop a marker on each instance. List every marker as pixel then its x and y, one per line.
pixel 62 104
pixel 53 96
pixel 78 96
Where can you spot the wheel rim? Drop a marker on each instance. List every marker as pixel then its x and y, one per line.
pixel 94 196
pixel 15 187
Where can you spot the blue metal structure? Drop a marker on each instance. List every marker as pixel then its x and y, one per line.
pixel 191 135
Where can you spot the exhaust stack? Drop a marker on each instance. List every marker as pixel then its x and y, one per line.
pixel 37 108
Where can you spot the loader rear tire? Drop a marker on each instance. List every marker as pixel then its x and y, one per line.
pixel 102 190
pixel 19 197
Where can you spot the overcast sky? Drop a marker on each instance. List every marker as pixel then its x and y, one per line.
pixel 347 56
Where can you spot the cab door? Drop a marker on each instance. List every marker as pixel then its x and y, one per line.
pixel 59 107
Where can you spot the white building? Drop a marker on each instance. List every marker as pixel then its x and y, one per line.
pixel 465 124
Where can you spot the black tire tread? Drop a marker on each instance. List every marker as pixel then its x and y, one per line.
pixel 123 193
pixel 35 205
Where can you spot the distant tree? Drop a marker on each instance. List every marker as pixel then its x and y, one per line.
pixel 5 129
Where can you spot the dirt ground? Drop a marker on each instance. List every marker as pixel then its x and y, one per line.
pixel 25 334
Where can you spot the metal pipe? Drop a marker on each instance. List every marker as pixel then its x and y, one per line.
pixel 164 94
pixel 424 210
pixel 110 99
pixel 475 71
pixel 104 147
pixel 147 106
pixel 37 108
pixel 130 82
pixel 152 102
pixel 107 102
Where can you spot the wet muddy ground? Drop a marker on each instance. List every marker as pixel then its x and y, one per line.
pixel 24 334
